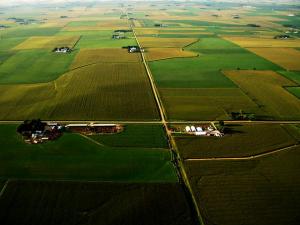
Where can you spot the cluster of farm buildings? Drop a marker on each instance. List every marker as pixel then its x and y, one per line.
pixel 210 130
pixel 204 130
pixel 120 34
pixel 62 50
pixel 37 132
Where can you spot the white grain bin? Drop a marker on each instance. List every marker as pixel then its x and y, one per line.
pixel 187 129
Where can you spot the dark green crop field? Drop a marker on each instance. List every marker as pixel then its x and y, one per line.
pixel 262 191
pixel 295 91
pixel 74 157
pixel 147 136
pixel 239 141
pixel 294 76
pixel 94 203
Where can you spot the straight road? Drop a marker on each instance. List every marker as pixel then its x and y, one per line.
pixel 179 165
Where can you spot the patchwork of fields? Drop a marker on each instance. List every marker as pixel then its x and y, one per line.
pixel 199 61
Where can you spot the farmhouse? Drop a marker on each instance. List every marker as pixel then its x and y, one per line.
pixel 282 36
pixel 160 25
pixel 36 131
pixel 2 27
pixel 134 49
pixel 123 31
pixel 62 50
pixel 118 36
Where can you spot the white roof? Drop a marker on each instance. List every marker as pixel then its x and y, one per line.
pixel 199 129
pixel 77 125
pixel 200 133
pixel 103 125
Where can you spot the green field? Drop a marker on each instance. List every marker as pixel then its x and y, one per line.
pixel 236 192
pixel 95 203
pixel 239 141
pixel 295 91
pixel 150 136
pixel 170 73
pixel 82 23
pixel 9 43
pixel 34 66
pixel 294 76
pixel 93 41
pixel 205 71
pixel 30 31
pixel 78 158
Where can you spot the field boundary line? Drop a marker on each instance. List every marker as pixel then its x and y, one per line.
pixel 77 41
pixel 246 157
pixel 4 188
pixel 187 57
pixel 96 63
pixel 92 140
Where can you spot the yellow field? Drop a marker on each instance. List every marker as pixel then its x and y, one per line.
pixel 153 54
pixel 97 92
pixel 148 42
pixel 48 42
pixel 256 42
pixel 287 58
pixel 105 55
pixel 266 88
pixel 205 103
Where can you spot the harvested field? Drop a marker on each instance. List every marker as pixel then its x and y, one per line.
pixel 262 191
pixel 266 88
pixel 254 42
pixel 239 141
pixel 205 103
pixel 97 92
pixel 104 55
pixel 153 54
pixel 95 203
pixel 50 42
pixel 149 42
pixel 287 58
